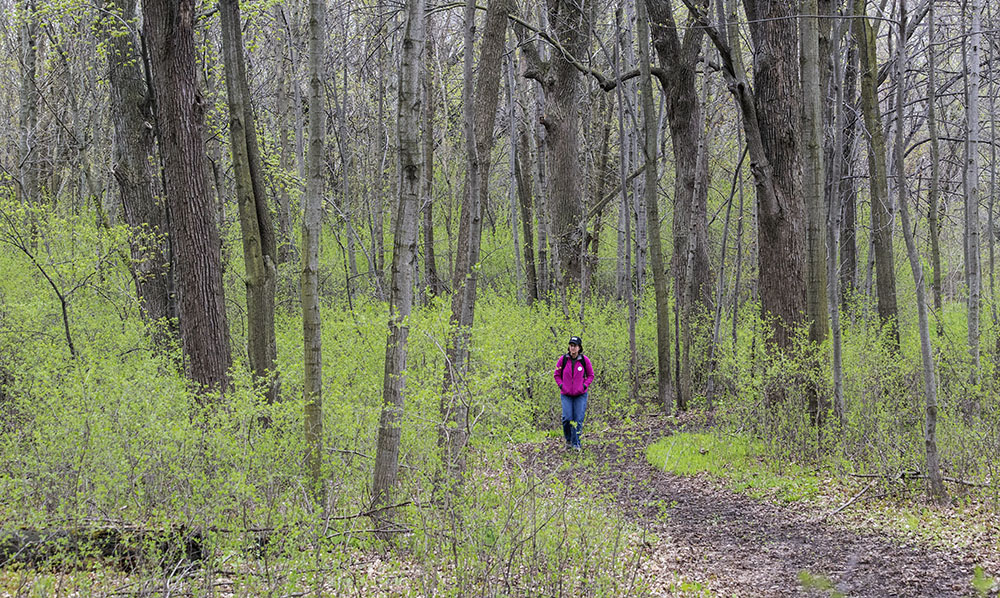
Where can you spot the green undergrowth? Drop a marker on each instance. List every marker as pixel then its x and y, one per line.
pixel 740 463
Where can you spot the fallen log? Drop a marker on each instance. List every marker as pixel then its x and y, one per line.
pixel 128 547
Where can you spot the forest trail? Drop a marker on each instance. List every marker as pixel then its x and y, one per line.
pixel 736 546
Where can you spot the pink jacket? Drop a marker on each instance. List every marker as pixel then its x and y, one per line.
pixel 574 377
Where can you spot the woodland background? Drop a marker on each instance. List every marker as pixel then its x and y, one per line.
pixel 296 274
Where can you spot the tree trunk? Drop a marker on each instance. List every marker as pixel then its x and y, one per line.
pixel 778 168
pixel 169 31
pixel 523 178
pixel 286 244
pixel 432 281
pixel 664 389
pixel 404 256
pixel 562 127
pixel 312 219
pixel 259 247
pixel 972 70
pixel 132 165
pixel 881 204
pixel 519 278
pixel 479 108
pixel 834 214
pixel 633 368
pixel 847 188
pixel 814 186
pixel 29 189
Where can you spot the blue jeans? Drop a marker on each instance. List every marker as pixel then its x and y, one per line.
pixel 573 410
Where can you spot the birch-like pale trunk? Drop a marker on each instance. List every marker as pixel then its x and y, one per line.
pixel 403 260
pixel 312 218
pixel 29 97
pixel 974 269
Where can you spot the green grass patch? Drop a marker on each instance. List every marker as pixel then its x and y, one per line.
pixel 737 461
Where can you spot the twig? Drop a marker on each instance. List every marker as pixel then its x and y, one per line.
pixel 848 503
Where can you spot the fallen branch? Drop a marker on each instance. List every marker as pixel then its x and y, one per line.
pixel 912 475
pixel 853 500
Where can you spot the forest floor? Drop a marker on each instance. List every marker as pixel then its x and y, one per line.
pixel 721 543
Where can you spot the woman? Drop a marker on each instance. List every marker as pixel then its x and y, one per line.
pixel 573 374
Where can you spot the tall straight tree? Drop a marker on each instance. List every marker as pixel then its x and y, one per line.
pixel 479 115
pixel 404 254
pixel 926 351
pixel 28 189
pixel 781 217
pixel 814 185
pixel 180 106
pixel 259 246
pixel 559 77
pixel 312 220
pixel 881 204
pixel 132 166
pixel 679 55
pixel 664 388
pixel 972 221
pixel 934 190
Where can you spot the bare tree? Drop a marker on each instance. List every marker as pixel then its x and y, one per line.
pixel 482 96
pixel 664 388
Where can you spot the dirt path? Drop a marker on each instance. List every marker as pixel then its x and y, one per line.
pixel 737 546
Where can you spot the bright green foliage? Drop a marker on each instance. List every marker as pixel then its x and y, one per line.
pixel 981 582
pixel 739 462
pixel 812 581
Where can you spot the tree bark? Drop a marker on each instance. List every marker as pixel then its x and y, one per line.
pixel 814 186
pixel 259 246
pixel 432 280
pixel 169 31
pixel 934 192
pixel 633 368
pixel 404 256
pixel 847 187
pixel 560 79
pixel 480 106
pixel 29 188
pixel 664 389
pixel 282 57
pixel 881 204
pixel 133 168
pixel 312 219
pixel 779 175
pixel 972 71
pixel 523 178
